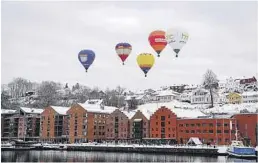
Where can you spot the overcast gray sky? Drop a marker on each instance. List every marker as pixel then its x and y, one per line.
pixel 41 41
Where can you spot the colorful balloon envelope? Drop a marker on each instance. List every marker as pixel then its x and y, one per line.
pixel 176 38
pixel 158 41
pixel 123 50
pixel 145 62
pixel 86 57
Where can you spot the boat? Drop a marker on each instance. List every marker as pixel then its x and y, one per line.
pixel 237 149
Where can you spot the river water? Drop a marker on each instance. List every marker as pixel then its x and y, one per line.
pixel 80 156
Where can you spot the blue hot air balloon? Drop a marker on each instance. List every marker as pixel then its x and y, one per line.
pixel 86 57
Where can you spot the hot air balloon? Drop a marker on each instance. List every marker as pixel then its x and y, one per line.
pixel 157 40
pixel 123 50
pixel 86 57
pixel 145 62
pixel 176 38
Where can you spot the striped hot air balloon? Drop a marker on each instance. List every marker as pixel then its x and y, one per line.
pixel 123 50
pixel 157 41
pixel 145 62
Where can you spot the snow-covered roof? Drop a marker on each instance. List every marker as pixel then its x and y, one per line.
pixel 129 114
pixel 31 110
pixel 167 93
pixel 190 86
pixel 60 110
pixel 150 108
pixel 137 120
pixel 194 140
pixel 139 97
pixel 98 108
pixel 251 93
pixel 7 111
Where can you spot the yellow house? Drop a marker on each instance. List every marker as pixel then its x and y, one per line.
pixel 234 98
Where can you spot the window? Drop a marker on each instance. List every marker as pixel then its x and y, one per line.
pixel 168 116
pixel 192 125
pixel 181 125
pixel 169 122
pixel 168 135
pixel 225 125
pixel 162 124
pixel 162 129
pixel 218 124
pixel 152 129
pixel 233 131
pixel 181 131
pixel 211 125
pixel 210 131
pixel 204 131
pixel 204 124
pixel 156 129
pixel 156 135
pixel 186 131
pixel 219 131
pixel 163 118
pixel 152 135
pixel 95 127
pixel 186 125
pixel 157 123
pixel 226 131
pixel 168 129
pixel 192 131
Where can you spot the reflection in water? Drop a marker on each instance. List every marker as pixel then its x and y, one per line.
pixel 80 156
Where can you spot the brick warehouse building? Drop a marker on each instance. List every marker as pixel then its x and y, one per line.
pixel 247 124
pixel 163 124
pixel 23 123
pixel 139 126
pixel 54 124
pixel 118 126
pixel 209 130
pixel 87 122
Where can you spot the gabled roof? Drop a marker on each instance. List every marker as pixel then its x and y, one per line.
pixel 31 110
pixel 60 109
pixel 167 93
pixel 175 106
pixel 96 106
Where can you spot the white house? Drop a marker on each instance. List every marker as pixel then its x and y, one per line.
pixel 186 96
pixel 250 97
pixel 167 95
pixel 202 96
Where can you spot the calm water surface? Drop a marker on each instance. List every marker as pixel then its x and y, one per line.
pixel 80 156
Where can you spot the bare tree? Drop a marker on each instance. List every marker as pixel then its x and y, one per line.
pixel 19 86
pixel 210 83
pixel 48 93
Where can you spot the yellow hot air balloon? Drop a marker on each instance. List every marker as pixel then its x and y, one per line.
pixel 145 62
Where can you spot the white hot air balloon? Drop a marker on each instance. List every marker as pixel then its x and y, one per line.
pixel 176 38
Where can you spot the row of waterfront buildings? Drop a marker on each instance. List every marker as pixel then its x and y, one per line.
pixel 92 121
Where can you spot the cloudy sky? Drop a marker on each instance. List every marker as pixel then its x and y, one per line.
pixel 41 41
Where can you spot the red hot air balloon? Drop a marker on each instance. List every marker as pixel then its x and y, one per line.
pixel 157 40
pixel 123 50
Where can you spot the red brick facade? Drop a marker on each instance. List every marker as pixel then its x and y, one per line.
pixel 163 124
pixel 208 130
pixel 248 127
pixel 117 127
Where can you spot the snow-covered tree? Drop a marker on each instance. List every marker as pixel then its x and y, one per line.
pixel 48 93
pixel 210 83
